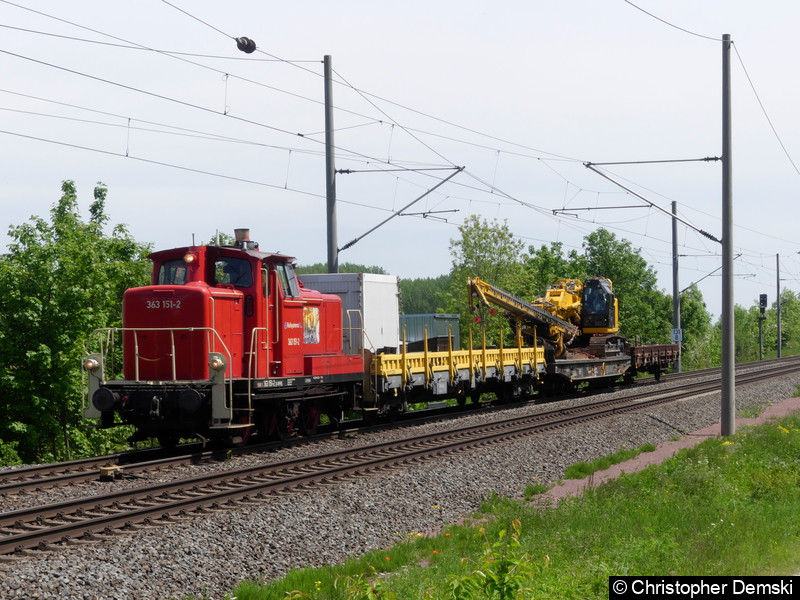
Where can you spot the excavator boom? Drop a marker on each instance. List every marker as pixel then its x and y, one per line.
pixel 559 331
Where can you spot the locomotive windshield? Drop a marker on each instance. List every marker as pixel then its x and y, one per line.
pixel 173 272
pixel 233 271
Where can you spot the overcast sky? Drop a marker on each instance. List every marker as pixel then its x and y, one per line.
pixel 190 135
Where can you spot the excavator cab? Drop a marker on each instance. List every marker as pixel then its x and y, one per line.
pixel 599 308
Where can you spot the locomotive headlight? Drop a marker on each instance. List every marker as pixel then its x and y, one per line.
pixel 91 364
pixel 216 363
pixel 189 258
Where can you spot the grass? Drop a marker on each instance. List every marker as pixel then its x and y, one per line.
pixel 582 469
pixel 725 507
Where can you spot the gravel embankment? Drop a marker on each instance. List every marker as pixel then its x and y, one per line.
pixel 210 554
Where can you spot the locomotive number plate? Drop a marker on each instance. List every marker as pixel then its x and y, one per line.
pixel 163 304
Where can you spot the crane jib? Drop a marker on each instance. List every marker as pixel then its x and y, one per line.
pixel 522 307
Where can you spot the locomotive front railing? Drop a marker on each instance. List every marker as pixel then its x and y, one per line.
pixel 107 340
pixel 108 346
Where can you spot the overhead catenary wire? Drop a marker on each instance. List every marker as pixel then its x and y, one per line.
pixel 591 167
pixel 489 186
pixel 665 22
pixel 260 183
pixel 184 103
pixel 764 110
pixel 133 46
pixel 154 162
pixel 399 212
pixel 227 35
pixel 194 170
pixel 366 95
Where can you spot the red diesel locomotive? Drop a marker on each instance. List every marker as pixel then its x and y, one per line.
pixel 225 340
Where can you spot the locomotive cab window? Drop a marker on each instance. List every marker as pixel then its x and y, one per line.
pixel 233 271
pixel 173 272
pixel 288 281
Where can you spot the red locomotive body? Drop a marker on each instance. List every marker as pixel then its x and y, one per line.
pixel 224 340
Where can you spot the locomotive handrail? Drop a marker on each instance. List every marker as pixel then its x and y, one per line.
pixel 253 361
pixel 110 331
pixel 277 312
pixel 138 357
pixel 351 329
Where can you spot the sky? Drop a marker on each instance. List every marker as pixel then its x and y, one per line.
pixel 153 99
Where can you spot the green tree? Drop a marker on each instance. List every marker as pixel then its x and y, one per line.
pixel 489 251
pixel 548 264
pixel 790 325
pixel 343 268
pixel 220 238
pixel 745 333
pixel 59 281
pixel 423 295
pixel 697 347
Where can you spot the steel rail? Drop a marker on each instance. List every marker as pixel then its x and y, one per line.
pixel 38 477
pixel 33 527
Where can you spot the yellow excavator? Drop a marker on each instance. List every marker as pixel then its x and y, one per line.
pixel 573 313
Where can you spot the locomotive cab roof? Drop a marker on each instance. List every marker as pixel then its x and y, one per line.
pixel 194 264
pixel 242 244
pixel 258 254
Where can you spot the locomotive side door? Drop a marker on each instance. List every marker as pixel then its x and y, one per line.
pixel 287 336
pixel 260 327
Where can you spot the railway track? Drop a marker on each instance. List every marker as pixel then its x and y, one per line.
pixel 88 518
pixel 40 477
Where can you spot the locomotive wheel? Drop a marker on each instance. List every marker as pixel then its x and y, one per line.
pixel 284 425
pixel 268 424
pixel 309 418
pixel 276 424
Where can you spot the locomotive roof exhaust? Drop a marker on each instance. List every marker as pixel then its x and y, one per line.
pixel 243 241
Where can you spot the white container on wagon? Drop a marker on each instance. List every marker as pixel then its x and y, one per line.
pixel 370 301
